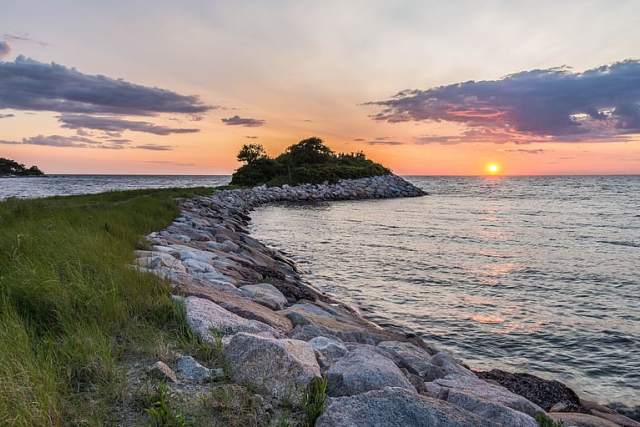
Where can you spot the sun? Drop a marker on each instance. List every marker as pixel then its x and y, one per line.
pixel 492 168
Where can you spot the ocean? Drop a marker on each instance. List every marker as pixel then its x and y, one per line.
pixel 65 185
pixel 529 274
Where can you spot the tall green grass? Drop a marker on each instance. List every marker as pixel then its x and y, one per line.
pixel 71 306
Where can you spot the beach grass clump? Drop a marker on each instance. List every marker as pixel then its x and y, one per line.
pixel 160 411
pixel 309 161
pixel 314 399
pixel 72 307
pixel 544 420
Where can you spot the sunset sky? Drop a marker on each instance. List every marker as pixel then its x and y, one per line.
pixel 427 88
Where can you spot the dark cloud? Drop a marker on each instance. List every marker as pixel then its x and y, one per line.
pixel 154 147
pixel 66 141
pixel 601 104
pixel 6 116
pixel 384 140
pixel 26 84
pixel 251 137
pixel 243 121
pixel 359 139
pixel 114 124
pixel 5 49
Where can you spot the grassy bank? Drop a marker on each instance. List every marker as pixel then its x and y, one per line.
pixel 71 308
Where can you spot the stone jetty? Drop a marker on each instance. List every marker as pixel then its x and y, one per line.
pixel 278 332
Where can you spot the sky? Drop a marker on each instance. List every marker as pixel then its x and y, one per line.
pixel 426 88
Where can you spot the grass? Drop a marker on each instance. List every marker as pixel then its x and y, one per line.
pixel 544 421
pixel 314 398
pixel 72 308
pixel 160 412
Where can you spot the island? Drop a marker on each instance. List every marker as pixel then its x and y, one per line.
pixel 309 161
pixel 10 167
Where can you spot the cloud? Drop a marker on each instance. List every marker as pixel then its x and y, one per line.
pixel 76 141
pixel 27 84
pixel 154 147
pixel 6 116
pixel 251 137
pixel 5 49
pixel 359 139
pixel 243 121
pixel 118 140
pixel 114 124
pixel 551 105
pixel 384 140
pixel 525 150
pixel 479 134
pixel 66 141
pixel 24 38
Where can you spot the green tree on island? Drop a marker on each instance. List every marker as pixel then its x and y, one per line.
pixel 11 167
pixel 249 153
pixel 308 161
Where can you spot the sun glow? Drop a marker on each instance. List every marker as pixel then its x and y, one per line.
pixel 492 168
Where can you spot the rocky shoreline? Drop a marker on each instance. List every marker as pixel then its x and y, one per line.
pixel 279 334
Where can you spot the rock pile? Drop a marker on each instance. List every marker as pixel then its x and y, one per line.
pixel 279 332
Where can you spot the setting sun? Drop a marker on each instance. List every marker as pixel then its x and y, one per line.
pixel 492 168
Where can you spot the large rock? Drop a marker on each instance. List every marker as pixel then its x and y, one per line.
pixel 191 370
pixel 265 294
pixel 162 371
pixel 364 369
pixel 450 366
pixel 234 302
pixel 278 367
pixel 473 386
pixel 396 407
pixel 543 393
pixel 157 260
pixel 573 419
pixel 338 322
pixel 602 411
pixel 486 409
pixel 206 318
pixel 414 359
pixel 328 350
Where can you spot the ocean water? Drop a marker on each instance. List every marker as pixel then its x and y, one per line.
pixel 64 185
pixel 530 274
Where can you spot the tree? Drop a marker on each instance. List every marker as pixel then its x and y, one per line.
pixel 11 167
pixel 249 153
pixel 309 151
